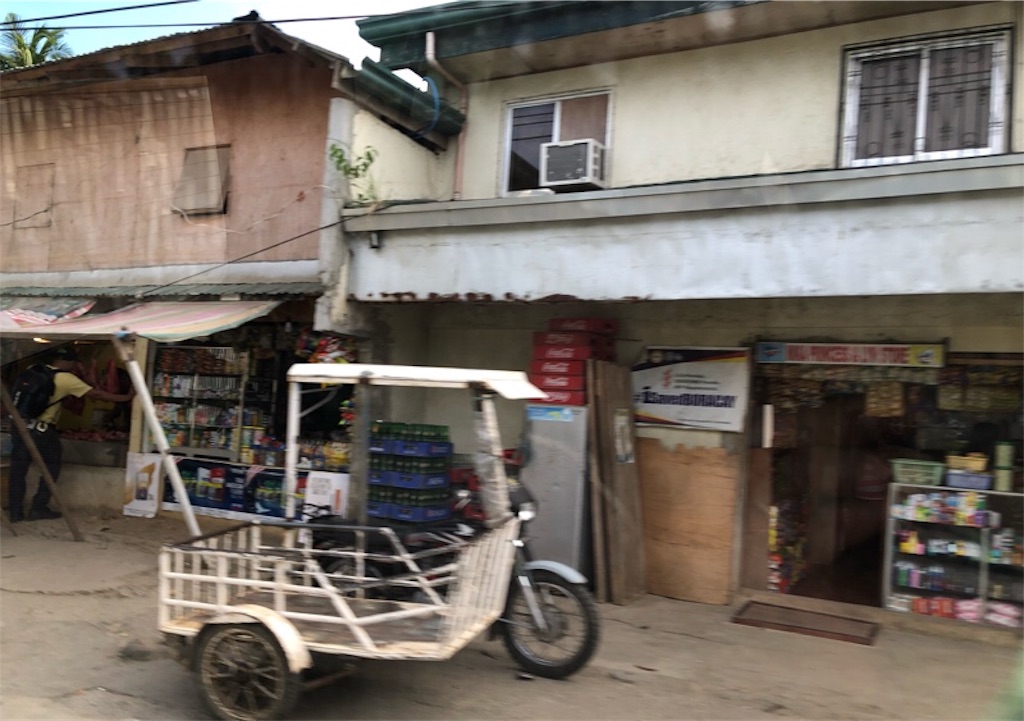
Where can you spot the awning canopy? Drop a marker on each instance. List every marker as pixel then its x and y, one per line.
pixel 17 311
pixel 165 322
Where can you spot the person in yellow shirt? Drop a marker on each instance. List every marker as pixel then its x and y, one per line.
pixel 44 432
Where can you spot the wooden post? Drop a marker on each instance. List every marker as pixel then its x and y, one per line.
pixel 30 444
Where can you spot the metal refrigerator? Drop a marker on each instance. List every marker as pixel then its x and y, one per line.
pixel 555 471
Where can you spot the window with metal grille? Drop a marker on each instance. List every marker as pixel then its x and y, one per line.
pixel 926 100
pixel 530 125
pixel 205 178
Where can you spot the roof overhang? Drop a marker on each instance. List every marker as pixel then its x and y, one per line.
pixel 473 40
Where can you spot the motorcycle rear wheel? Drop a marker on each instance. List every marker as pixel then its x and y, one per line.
pixel 573 627
pixel 244 673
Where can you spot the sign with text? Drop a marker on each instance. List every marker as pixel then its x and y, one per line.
pixel 142 477
pixel 918 355
pixel 704 388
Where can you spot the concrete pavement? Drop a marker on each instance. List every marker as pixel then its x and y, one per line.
pixel 78 640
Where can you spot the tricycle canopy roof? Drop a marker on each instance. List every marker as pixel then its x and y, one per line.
pixel 508 384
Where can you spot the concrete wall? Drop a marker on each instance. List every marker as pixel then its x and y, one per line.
pixel 952 242
pixel 749 108
pixel 117 151
pixel 403 169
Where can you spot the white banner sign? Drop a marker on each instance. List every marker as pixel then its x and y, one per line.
pixel 692 388
pixel 143 476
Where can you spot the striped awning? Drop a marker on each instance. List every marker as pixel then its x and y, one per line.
pixel 165 322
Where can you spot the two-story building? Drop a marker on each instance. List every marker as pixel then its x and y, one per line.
pixel 198 178
pixel 718 175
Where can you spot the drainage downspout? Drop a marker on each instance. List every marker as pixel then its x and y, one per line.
pixel 431 59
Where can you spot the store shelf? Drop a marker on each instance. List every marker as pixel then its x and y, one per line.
pixel 998 528
pixel 189 393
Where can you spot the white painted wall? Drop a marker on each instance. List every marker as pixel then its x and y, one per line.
pixel 953 243
pixel 751 108
pixel 403 169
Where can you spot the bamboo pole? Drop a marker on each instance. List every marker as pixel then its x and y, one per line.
pixel 127 356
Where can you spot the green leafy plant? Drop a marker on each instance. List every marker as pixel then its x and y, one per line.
pixel 22 47
pixel 356 169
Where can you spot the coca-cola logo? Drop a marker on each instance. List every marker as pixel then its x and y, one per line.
pixel 574 325
pixel 557 382
pixel 560 395
pixel 559 338
pixel 555 368
pixel 560 353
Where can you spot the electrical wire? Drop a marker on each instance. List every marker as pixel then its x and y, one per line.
pixel 203 25
pixel 95 12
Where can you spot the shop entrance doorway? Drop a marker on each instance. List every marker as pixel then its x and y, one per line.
pixel 841 437
pixel 839 480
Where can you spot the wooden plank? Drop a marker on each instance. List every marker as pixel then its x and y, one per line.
pixel 754 569
pixel 623 513
pixel 599 546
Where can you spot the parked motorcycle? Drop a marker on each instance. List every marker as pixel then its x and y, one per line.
pixel 550 625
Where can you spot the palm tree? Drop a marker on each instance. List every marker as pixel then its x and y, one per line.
pixel 21 48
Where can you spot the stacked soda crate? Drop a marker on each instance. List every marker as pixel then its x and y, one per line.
pixel 560 355
pixel 409 472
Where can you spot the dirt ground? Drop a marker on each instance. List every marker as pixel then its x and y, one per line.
pixel 78 640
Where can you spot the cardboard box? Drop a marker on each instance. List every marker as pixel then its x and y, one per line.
pixel 574 339
pixel 572 352
pixel 558 368
pixel 559 382
pixel 606 326
pixel 565 398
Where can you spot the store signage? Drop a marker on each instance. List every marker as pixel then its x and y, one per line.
pixel 692 387
pixel 227 490
pixel 143 475
pixel 918 355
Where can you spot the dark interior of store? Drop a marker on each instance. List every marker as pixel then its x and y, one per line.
pixel 832 468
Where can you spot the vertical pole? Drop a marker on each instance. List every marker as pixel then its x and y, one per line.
pixel 490 459
pixel 291 449
pixel 359 458
pixel 127 355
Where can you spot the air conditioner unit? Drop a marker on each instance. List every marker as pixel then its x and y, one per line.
pixel 572 165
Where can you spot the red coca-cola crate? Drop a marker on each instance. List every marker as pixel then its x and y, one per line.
pixel 605 326
pixel 573 339
pixel 464 477
pixel 558 367
pixel 565 398
pixel 572 352
pixel 559 382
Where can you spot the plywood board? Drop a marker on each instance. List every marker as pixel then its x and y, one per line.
pixel 623 510
pixel 689 502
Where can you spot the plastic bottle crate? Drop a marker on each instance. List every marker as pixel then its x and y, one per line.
pixel 398 479
pixel 419 514
pixel 920 473
pixel 376 509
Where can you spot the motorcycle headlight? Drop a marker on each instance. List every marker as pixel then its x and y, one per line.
pixel 527 511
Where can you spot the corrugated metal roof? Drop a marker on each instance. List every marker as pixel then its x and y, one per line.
pixel 171 291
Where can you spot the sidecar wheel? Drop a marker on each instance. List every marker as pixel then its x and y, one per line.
pixel 572 633
pixel 244 673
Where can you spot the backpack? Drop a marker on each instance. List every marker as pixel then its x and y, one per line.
pixel 32 391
